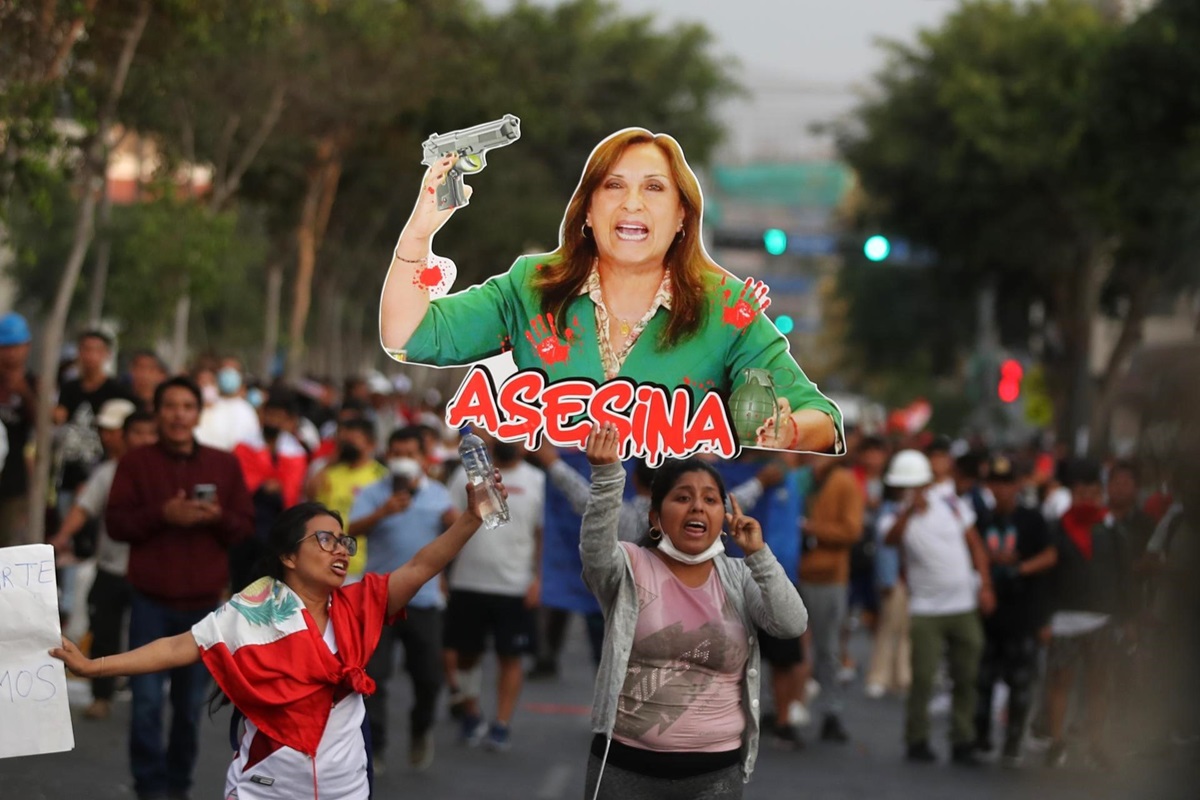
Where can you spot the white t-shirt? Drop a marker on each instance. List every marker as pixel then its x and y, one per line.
pixel 227 423
pixel 966 509
pixel 341 768
pixel 112 557
pixel 941 578
pixel 501 561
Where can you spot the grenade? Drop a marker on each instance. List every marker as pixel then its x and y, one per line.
pixel 752 403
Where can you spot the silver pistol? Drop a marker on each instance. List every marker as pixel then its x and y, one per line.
pixel 471 146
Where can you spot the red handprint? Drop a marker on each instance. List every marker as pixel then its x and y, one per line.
pixel 750 302
pixel 548 346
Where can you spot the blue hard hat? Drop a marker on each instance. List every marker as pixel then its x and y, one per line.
pixel 13 330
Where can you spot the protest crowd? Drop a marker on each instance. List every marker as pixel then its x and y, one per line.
pixel 1020 587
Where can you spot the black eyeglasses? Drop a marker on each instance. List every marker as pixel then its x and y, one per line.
pixel 328 540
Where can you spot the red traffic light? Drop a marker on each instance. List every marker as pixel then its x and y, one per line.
pixel 1009 388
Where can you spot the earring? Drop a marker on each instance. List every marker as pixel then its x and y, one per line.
pixel 682 233
pixel 583 230
pixel 655 533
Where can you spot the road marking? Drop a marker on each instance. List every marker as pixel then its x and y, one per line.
pixel 555 784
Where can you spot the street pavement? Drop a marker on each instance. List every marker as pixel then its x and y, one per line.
pixel 551 734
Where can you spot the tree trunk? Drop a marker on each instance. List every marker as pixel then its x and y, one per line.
pixel 1079 305
pixel 1129 338
pixel 179 336
pixel 91 172
pixel 322 354
pixel 100 266
pixel 271 323
pixel 337 345
pixel 314 217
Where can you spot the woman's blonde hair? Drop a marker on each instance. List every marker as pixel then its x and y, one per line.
pixel 566 273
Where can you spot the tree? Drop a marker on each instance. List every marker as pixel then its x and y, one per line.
pixel 1147 113
pixel 981 145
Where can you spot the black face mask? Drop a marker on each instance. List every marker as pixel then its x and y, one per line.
pixel 348 453
pixel 271 431
pixel 506 452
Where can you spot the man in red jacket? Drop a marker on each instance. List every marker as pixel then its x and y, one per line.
pixel 180 506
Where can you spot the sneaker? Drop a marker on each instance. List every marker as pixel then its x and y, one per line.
pixel 458 705
pixel 812 689
pixel 99 709
pixel 786 737
pixel 847 673
pixel 798 714
pixel 832 730
pixel 874 691
pixel 964 755
pixel 921 753
pixel 420 752
pixel 472 730
pixel 499 738
pixel 1056 755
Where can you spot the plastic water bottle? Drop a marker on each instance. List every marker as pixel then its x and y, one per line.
pixel 478 466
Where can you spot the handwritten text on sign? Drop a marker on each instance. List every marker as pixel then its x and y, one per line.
pixel 34 715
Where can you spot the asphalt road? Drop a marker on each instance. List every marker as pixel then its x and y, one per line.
pixel 550 741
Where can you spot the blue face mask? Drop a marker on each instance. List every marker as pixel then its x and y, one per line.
pixel 229 381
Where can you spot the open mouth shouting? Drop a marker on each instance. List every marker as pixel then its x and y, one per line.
pixel 632 231
pixel 339 567
pixel 697 528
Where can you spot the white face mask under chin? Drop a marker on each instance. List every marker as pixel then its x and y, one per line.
pixel 669 549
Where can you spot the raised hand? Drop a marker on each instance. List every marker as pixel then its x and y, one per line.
pixel 426 219
pixel 477 499
pixel 743 529
pixel 602 446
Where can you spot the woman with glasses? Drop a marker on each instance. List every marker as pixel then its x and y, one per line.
pixel 290 652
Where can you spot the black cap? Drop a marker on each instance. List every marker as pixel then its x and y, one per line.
pixel 1001 468
pixel 940 444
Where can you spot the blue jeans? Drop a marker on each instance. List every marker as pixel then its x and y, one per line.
pixel 158 770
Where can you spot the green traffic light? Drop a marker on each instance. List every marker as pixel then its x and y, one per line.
pixel 876 248
pixel 775 241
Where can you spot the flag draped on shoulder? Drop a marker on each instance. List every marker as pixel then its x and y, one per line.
pixel 265 652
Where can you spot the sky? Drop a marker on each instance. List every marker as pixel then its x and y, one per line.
pixel 803 60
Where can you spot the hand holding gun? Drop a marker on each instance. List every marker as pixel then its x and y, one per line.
pixel 470 145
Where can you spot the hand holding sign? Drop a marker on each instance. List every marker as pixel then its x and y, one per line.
pixel 33 685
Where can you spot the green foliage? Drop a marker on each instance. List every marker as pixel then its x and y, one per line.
pixel 1148 114
pixel 573 73
pixel 166 247
pixel 376 78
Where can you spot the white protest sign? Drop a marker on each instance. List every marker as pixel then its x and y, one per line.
pixel 34 715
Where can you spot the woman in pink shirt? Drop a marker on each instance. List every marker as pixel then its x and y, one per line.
pixel 676 706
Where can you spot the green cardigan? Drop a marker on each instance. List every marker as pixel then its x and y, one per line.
pixel 504 313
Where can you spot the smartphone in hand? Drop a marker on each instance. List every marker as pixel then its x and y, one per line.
pixel 205 492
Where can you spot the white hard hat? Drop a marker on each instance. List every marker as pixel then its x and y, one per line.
pixel 113 413
pixel 909 468
pixel 378 384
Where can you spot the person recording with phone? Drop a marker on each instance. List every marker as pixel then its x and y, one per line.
pixel 399 514
pixel 180 506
